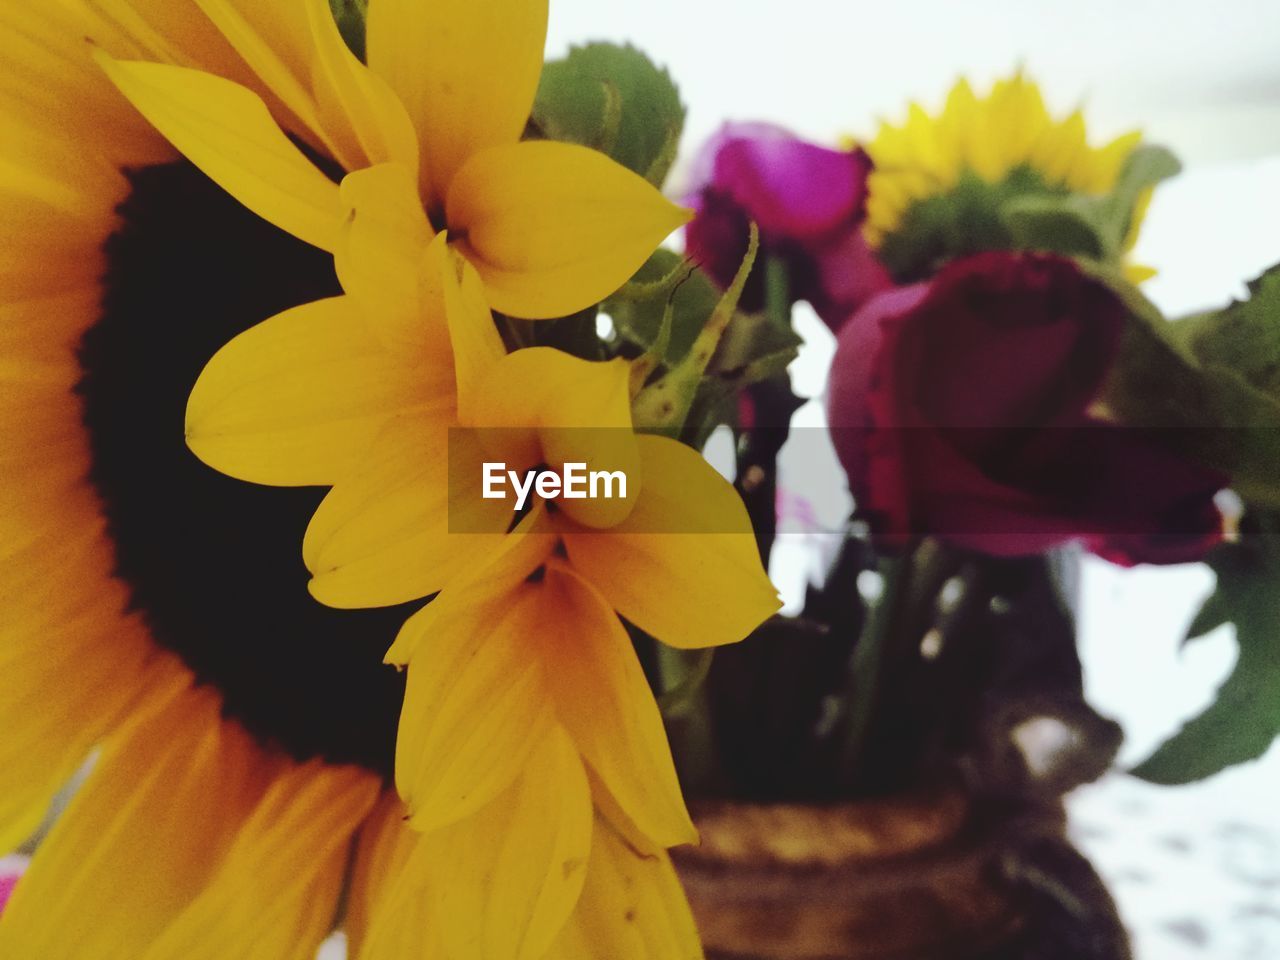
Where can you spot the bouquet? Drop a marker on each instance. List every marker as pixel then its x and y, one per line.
pixel 365 572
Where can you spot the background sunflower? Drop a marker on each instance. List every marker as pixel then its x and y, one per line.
pixel 991 171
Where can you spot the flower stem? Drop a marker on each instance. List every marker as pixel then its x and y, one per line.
pixel 772 404
pixel 865 670
pixel 777 290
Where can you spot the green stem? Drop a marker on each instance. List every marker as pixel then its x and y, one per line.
pixel 773 403
pixel 777 290
pixel 866 667
pixel 663 406
pixel 688 718
pixel 690 726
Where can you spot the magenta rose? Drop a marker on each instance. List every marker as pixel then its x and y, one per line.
pixel 809 203
pixel 965 408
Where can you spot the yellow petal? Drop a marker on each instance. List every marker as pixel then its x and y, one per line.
pixel 274 39
pixel 554 228
pixel 60 693
pixel 474 338
pixel 358 110
pixel 274 895
pixel 142 837
pixel 632 907
pixel 544 387
pixel 297 51
pixel 466 71
pixel 1137 273
pixel 299 398
pixel 143 29
pixel 1109 161
pixel 388 913
pixel 49 82
pixel 166 32
pixel 43 167
pixel 683 566
pixel 226 131
pixel 380 259
pixel 604 701
pixel 485 583
pixel 542 405
pixel 506 880
pixel 475 709
pixel 396 528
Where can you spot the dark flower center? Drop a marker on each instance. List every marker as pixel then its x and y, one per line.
pixel 214 564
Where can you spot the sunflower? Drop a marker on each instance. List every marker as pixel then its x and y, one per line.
pixel 629 903
pixel 157 625
pixel 941 183
pixel 229 814
pixel 524 639
pixel 675 556
pixel 525 694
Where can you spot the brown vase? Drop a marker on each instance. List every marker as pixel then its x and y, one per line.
pixel 928 877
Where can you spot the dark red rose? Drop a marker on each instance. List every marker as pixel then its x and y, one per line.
pixel 809 203
pixel 964 408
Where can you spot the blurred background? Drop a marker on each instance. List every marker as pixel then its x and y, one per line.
pixel 1196 870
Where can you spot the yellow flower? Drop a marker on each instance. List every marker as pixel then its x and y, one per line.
pixel 150 613
pixel 676 558
pixel 626 901
pixel 977 151
pixel 518 684
pixel 317 395
pixel 551 228
pixel 521 676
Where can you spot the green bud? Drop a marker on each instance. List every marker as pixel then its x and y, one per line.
pixel 615 100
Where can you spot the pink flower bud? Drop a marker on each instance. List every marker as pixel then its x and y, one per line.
pixel 809 203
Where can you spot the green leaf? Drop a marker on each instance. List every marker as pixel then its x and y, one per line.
pixel 575 334
pixel 615 100
pixel 669 309
pixel 1112 215
pixel 1196 398
pixel 963 221
pixel 657 278
pixel 1052 224
pixel 1147 166
pixel 666 281
pixel 1239 349
pixel 644 366
pixel 1087 226
pixel 755 347
pixel 1245 718
pixel 1245 337
pixel 1154 385
pixel 351 16
pixel 1022 212
pixel 1248 434
pixel 664 405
